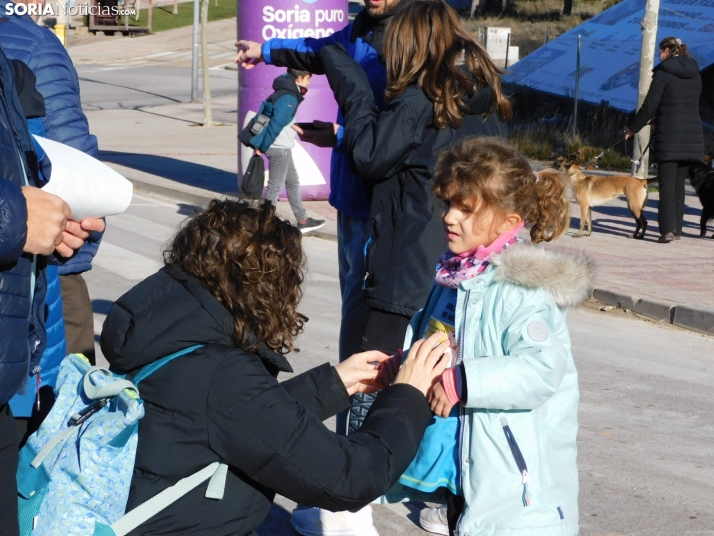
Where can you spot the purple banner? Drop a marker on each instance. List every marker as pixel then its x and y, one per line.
pixel 260 20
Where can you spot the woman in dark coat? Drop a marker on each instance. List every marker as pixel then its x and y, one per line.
pixel 232 283
pixel 442 87
pixel 672 103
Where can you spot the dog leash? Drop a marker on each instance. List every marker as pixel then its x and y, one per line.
pixel 595 159
pixel 639 162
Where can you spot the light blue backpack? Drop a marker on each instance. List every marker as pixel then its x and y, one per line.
pixel 75 471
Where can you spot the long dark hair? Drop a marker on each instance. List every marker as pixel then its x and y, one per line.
pixel 674 45
pixel 426 43
pixel 253 263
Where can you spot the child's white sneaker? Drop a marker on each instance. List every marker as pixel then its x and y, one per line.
pixel 434 520
pixel 319 522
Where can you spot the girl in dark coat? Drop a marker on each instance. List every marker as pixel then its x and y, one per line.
pixel 441 88
pixel 672 103
pixel 232 283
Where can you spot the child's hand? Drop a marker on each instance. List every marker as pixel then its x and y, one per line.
pixel 438 400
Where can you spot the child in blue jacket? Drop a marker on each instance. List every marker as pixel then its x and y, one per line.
pixel 277 140
pixel 501 451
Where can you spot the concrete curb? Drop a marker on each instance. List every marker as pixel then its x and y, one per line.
pixel 692 317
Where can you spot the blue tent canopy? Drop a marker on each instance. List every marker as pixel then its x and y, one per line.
pixel 610 51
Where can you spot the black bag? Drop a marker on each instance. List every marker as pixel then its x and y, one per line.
pixel 254 127
pixel 253 178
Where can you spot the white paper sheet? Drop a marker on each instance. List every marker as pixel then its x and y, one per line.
pixel 91 188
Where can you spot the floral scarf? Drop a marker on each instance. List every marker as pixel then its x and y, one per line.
pixel 452 269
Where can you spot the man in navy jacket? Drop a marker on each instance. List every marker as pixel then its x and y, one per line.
pixel 22 39
pixel 33 224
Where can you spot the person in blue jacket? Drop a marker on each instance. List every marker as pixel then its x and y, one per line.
pixel 38 47
pixel 33 224
pixel 277 140
pixel 349 194
pixel 30 408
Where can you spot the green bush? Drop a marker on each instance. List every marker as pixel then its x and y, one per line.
pixel 164 19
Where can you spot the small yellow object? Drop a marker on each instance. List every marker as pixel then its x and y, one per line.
pixel 32 493
pixel 83 357
pixel 61 32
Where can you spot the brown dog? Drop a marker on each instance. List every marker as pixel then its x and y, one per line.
pixel 595 190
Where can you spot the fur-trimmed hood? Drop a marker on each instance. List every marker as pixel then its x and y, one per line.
pixel 566 277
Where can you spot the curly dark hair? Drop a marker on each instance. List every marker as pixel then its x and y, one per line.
pixel 253 263
pixel 488 174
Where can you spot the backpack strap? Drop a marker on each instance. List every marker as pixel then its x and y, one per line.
pixel 51 444
pixel 156 365
pixel 217 484
pixel 109 390
pixel 156 504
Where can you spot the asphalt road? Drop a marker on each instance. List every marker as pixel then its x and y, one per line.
pixel 646 456
pixel 109 87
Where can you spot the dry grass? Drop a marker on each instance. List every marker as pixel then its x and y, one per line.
pixel 534 22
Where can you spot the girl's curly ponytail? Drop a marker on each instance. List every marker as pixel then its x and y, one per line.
pixel 489 174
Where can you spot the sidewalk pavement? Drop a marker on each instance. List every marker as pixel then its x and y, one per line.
pixel 162 151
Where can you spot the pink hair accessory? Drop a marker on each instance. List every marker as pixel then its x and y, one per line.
pixel 537 176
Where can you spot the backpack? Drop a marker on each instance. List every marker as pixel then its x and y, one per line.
pixel 75 472
pixel 254 178
pixel 260 120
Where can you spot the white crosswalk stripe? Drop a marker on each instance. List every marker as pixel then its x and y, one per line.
pixel 142 226
pixel 125 263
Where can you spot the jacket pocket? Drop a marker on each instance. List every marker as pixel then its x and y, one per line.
pixel 519 459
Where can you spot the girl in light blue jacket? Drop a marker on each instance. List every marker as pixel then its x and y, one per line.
pixel 502 449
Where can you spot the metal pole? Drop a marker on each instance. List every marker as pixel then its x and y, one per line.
pixel 239 175
pixel 577 87
pixel 207 120
pixel 194 51
pixel 647 55
pixel 508 46
pixel 66 32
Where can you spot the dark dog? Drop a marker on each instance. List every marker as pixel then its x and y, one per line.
pixel 702 178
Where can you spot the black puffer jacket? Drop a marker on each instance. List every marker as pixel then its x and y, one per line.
pixel 396 150
pixel 223 403
pixel 673 102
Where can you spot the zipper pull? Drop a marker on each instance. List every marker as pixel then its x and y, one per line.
pixel 38 381
pixel 526 495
